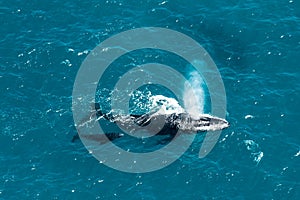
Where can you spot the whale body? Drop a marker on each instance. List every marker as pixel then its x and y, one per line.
pixel 161 123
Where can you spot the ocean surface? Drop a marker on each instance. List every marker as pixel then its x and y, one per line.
pixel 256 47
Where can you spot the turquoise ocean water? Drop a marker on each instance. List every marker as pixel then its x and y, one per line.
pixel 256 46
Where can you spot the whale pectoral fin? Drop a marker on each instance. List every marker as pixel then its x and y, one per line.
pixel 166 140
pixel 113 136
pixel 101 138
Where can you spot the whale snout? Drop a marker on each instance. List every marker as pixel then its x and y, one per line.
pixel 226 124
pixel 213 123
pixel 220 124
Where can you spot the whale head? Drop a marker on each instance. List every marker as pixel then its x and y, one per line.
pixel 215 123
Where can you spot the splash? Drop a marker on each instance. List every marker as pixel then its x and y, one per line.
pixel 254 148
pixel 193 95
pixel 146 102
pixel 165 105
pixel 193 100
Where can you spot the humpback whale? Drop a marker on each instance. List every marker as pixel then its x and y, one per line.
pixel 170 123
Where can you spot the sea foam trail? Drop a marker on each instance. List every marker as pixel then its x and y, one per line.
pixel 193 95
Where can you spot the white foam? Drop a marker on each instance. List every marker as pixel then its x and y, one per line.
pixel 164 105
pixel 249 117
